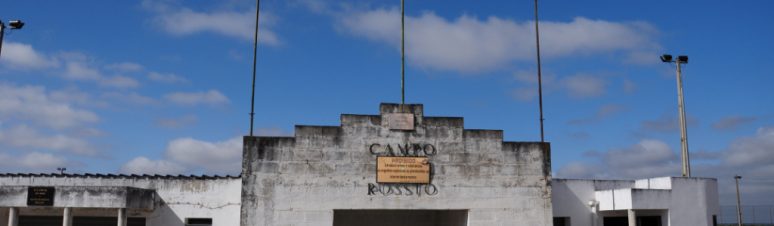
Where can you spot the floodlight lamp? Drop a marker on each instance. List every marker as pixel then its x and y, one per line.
pixel 683 59
pixel 16 24
pixel 737 177
pixel 666 58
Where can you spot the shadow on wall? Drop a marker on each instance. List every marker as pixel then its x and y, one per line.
pixel 163 215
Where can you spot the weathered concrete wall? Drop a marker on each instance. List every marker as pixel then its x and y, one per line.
pixel 177 198
pixel 300 180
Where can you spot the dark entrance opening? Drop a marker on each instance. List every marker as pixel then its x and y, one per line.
pixel 40 220
pixel 400 217
pixel 616 221
pixel 649 221
pixel 77 221
pixel 107 221
pixel 641 221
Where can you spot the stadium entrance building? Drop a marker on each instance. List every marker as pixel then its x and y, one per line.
pixel 399 167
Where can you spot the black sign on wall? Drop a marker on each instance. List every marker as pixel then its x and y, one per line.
pixel 40 196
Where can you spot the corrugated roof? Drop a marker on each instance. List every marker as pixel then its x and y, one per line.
pixel 122 176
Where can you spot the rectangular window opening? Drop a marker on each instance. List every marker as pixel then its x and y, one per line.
pixel 561 221
pixel 198 221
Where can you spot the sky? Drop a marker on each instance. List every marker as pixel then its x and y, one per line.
pixel 163 87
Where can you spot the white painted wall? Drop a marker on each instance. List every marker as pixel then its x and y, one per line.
pixel 570 198
pixel 694 201
pixel 179 198
pixel 680 201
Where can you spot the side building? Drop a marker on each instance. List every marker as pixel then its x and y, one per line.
pixel 664 201
pixel 106 199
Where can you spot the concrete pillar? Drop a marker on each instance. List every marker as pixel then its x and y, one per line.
pixel 13 216
pixel 122 217
pixel 632 218
pixel 67 217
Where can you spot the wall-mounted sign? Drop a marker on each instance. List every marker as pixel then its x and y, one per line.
pixel 400 121
pixel 404 170
pixel 40 196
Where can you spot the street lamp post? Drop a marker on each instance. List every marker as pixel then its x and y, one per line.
pixel 738 202
pixel 14 24
pixel 666 58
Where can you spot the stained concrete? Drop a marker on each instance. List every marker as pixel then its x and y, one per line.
pixel 301 180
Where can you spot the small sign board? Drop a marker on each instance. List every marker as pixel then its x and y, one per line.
pixel 404 170
pixel 40 196
pixel 400 121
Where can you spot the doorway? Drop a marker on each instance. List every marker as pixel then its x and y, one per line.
pixel 641 221
pixel 400 217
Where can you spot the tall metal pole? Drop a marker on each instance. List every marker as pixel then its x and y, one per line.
pixel 683 129
pixel 540 76
pixel 402 55
pixel 738 201
pixel 255 55
pixel 2 33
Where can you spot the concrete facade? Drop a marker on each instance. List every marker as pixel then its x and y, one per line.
pixel 676 200
pixel 173 199
pixel 303 180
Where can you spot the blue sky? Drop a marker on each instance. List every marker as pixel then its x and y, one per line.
pixel 164 86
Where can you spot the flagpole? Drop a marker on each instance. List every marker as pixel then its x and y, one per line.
pixel 255 55
pixel 402 56
pixel 539 71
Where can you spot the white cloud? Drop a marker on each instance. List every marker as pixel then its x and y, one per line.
pixel 584 86
pixel 79 71
pixel 580 170
pixel 76 96
pixel 629 86
pixel 647 158
pixel 604 112
pixel 166 77
pixel 76 70
pixel 23 136
pixel 34 104
pixel 178 122
pixel 32 162
pixel 469 44
pixel 42 161
pixel 129 97
pixel 217 157
pixel 125 67
pixel 525 93
pixel 237 24
pixel 666 123
pixel 752 151
pixel 211 97
pixel 143 165
pixel 732 122
pixel 579 86
pixel 19 55
pixel 119 81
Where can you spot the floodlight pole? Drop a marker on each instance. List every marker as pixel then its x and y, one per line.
pixel 683 129
pixel 15 24
pixel 738 201
pixel 2 33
